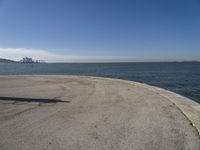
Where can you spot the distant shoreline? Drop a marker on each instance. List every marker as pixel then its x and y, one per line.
pixel 8 61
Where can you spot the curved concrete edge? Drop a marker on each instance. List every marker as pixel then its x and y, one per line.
pixel 188 107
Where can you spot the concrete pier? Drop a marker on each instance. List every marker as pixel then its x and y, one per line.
pixel 90 113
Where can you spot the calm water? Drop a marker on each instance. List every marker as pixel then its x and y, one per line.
pixel 182 78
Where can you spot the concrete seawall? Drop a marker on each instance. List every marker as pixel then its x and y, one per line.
pixel 189 108
pixel 70 112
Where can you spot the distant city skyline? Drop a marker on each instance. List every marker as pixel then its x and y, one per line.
pixel 19 53
pixel 100 30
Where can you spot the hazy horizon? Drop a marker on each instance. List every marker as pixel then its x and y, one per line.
pixel 50 57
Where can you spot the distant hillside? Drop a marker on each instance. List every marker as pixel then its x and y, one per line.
pixel 2 60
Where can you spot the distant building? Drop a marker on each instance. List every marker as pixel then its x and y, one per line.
pixel 39 61
pixel 28 60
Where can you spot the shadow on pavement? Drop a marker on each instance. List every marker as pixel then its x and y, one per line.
pixel 39 100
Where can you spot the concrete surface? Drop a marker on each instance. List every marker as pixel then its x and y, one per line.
pixel 72 113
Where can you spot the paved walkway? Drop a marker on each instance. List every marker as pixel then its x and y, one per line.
pixel 82 113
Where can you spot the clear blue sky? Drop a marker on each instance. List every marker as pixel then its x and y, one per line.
pixel 139 30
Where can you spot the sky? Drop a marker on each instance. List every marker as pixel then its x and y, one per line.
pixel 100 30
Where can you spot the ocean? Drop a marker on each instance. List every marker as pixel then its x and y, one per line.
pixel 180 77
